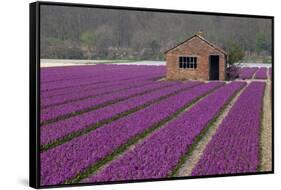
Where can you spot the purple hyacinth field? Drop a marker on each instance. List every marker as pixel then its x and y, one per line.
pixel 110 122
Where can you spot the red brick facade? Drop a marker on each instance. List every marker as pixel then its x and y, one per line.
pixel 199 47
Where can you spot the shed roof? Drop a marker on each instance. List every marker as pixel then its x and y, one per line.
pixel 203 39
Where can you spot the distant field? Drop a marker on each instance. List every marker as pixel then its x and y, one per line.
pixel 76 62
pixel 109 122
pixel 267 65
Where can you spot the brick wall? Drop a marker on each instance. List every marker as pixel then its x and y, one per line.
pixel 200 49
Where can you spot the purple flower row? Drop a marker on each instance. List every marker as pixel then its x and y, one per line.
pixel 52 74
pixel 86 87
pixel 235 146
pixel 68 159
pixel 69 73
pixel 101 79
pixel 247 72
pixel 90 73
pixel 93 91
pixel 62 128
pixel 69 108
pixel 261 73
pixel 158 154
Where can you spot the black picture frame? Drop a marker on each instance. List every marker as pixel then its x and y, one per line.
pixel 34 91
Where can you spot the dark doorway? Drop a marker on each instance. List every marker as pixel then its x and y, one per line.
pixel 214 67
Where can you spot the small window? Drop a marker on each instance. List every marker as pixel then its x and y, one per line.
pixel 181 65
pixel 187 62
pixel 181 62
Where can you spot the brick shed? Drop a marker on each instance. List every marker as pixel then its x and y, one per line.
pixel 196 58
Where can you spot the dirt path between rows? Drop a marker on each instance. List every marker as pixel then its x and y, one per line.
pixel 195 156
pixel 266 131
pixel 254 75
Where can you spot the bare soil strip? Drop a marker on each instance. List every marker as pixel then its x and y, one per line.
pixel 250 80
pixel 267 73
pixel 254 75
pixel 266 132
pixel 194 157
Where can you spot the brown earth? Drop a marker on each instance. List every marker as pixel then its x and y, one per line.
pixel 266 131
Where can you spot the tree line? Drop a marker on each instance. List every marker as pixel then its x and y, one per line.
pixel 96 33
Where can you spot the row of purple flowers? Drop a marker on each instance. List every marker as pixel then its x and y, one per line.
pixel 235 146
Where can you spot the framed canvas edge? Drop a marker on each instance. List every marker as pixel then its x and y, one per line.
pixel 34 92
pixel 34 96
